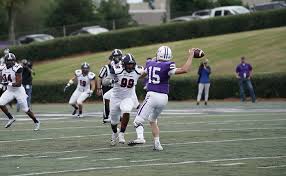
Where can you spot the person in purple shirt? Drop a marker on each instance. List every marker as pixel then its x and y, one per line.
pixel 244 74
pixel 159 72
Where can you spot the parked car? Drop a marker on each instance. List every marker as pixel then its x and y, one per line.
pixel 268 6
pixel 90 30
pixel 34 38
pixel 228 10
pixel 203 14
pixel 185 18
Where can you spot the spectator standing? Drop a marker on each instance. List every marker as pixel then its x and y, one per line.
pixel 244 74
pixel 27 77
pixel 204 81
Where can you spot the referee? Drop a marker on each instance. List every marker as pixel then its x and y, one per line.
pixel 114 59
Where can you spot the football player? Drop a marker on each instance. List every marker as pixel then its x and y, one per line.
pixel 159 73
pixel 122 101
pixel 11 76
pixel 86 84
pixel 114 59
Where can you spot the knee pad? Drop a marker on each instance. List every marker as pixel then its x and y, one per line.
pixel 138 122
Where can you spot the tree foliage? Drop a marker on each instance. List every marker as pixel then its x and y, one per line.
pixel 71 12
pixel 11 7
pixel 228 2
pixel 114 14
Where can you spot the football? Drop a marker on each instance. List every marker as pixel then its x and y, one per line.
pixel 198 53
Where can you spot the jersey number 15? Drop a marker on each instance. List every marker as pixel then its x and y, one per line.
pixel 153 75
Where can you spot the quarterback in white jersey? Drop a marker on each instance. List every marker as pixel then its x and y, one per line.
pixel 124 78
pixel 85 86
pixel 11 76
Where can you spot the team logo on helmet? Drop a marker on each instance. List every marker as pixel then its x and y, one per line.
pixel 85 68
pixel 164 53
pixel 116 55
pixel 129 62
pixel 10 60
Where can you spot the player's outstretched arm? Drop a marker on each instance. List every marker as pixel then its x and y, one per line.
pixel 187 66
pixel 71 81
pixel 110 79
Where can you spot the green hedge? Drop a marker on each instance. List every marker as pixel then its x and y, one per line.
pixel 149 35
pixel 266 86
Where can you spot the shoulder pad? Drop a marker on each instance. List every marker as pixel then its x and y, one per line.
pixel 77 72
pixel 16 67
pixel 2 67
pixel 139 69
pixel 118 69
pixel 91 75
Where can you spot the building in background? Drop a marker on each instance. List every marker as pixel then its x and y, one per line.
pixel 153 12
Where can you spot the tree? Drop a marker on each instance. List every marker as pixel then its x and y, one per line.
pixel 114 14
pixel 71 12
pixel 11 7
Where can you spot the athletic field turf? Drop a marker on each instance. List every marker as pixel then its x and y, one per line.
pixel 223 139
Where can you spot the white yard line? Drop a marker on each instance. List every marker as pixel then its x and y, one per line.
pixel 151 164
pixel 230 164
pixel 126 147
pixel 141 161
pixel 271 167
pixel 72 158
pixel 62 128
pixel 161 124
pixel 56 117
pixel 107 159
pixel 179 131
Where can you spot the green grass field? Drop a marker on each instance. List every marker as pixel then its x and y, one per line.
pixel 265 50
pixel 223 139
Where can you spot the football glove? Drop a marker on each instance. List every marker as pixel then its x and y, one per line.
pixel 65 88
pixel 90 93
pixel 5 83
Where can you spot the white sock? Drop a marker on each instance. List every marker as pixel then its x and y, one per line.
pixel 140 132
pixel 156 139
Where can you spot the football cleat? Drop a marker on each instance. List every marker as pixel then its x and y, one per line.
pixel 74 111
pixel 114 138
pixel 37 126
pixel 158 147
pixel 121 139
pixel 136 142
pixel 106 120
pixel 10 122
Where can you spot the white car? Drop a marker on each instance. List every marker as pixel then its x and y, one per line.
pixel 93 30
pixel 228 10
pixel 203 14
pixel 34 38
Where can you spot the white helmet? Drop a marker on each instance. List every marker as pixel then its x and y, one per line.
pixel 164 53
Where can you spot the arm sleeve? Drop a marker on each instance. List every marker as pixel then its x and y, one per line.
pixel 250 67
pixel 102 72
pixel 172 69
pixel 237 69
pixel 20 70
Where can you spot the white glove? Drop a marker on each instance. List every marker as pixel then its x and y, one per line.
pixel 90 93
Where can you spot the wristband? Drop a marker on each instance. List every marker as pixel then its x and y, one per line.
pixel 70 82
